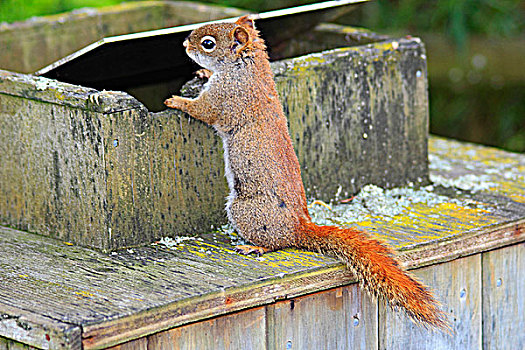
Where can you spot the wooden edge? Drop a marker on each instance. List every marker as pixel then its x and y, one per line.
pixel 473 242
pixel 113 332
pixel 110 333
pixel 389 46
pixel 37 330
pixel 53 91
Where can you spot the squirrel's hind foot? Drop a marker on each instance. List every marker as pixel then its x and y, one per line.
pixel 251 249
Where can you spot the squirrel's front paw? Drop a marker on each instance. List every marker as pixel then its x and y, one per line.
pixel 203 73
pixel 175 102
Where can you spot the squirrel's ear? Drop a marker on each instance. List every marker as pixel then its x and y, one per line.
pixel 246 21
pixel 242 33
pixel 241 36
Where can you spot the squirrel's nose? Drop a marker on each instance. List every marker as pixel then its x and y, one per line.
pixel 186 43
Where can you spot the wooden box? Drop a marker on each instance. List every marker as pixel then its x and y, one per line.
pixel 108 169
pixel 198 293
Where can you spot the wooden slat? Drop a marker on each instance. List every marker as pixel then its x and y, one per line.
pixel 8 344
pixel 65 95
pixel 457 285
pixel 340 318
pixel 214 304
pixel 137 344
pixel 35 330
pixel 504 298
pixel 479 169
pixel 242 330
pixel 358 115
pixel 472 242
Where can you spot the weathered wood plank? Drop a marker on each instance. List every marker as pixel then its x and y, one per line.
pixel 242 330
pixel 40 89
pixel 360 112
pixel 223 302
pixel 475 241
pixel 340 318
pixel 457 285
pixel 90 288
pixel 477 168
pixel 165 174
pixel 137 344
pixel 504 298
pixel 128 176
pixel 8 344
pixel 63 150
pixel 34 330
pixel 98 290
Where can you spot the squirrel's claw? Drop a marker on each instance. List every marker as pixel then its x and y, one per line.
pixel 174 102
pixel 251 249
pixel 204 73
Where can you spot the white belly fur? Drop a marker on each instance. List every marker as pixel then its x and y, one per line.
pixel 229 176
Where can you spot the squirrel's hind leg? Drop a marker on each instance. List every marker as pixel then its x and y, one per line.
pixel 263 222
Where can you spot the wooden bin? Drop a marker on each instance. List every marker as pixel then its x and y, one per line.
pixel 467 245
pixel 102 169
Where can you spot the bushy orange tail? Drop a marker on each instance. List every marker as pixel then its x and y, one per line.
pixel 377 269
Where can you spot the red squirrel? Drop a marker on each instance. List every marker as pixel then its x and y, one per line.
pixel 267 204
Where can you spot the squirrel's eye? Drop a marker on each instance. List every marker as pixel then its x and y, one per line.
pixel 208 43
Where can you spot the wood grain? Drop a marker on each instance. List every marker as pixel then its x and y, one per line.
pixel 8 344
pixel 473 241
pixel 137 344
pixel 358 116
pixel 504 298
pixel 339 318
pixel 241 330
pixel 37 331
pixel 487 172
pixel 457 286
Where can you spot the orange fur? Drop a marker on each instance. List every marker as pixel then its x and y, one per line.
pixel 377 270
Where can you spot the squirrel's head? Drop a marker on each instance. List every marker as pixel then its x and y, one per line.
pixel 215 45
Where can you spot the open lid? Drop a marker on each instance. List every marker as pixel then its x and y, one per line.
pixel 158 55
